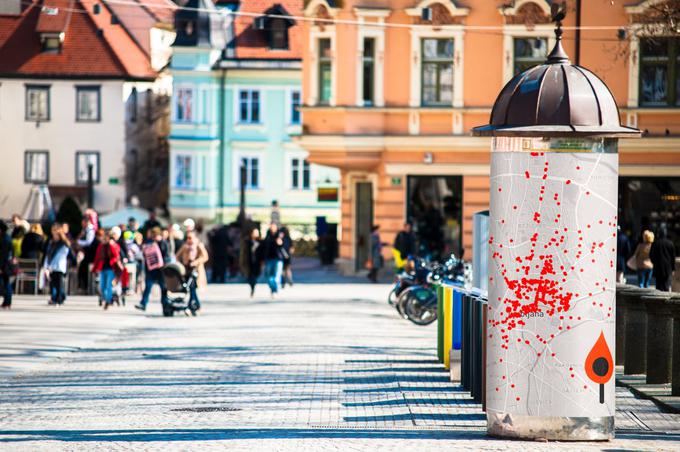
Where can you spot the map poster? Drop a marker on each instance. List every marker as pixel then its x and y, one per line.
pixel 552 251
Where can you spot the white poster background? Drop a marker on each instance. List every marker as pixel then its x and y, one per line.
pixel 552 280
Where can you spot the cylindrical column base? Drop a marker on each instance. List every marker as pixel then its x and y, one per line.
pixel 675 309
pixel 659 338
pixel 507 425
pixel 620 324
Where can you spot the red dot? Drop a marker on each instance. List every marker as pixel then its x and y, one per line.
pixel 568 182
pixel 517 399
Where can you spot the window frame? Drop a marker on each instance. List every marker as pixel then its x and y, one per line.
pixel 184 120
pixel 37 87
pixel 249 106
pixel 538 60
pixel 284 30
pixel 325 63
pixel 27 179
pixel 249 171
pixel 89 88
pixel 369 61
pixel 133 100
pixel 438 62
pixel 295 111
pixel 97 172
pixel 184 156
pixel 672 64
pixel 300 165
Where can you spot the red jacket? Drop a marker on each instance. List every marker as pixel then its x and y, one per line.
pixel 113 257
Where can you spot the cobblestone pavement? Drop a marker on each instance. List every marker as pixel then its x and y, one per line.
pixel 324 367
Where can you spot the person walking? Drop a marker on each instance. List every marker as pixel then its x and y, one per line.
pixel 87 244
pixel 218 238
pixel 275 215
pixel 643 263
pixel 6 261
pixel 288 250
pixel 155 252
pixel 251 259
pixel 662 255
pixel 376 259
pixel 34 242
pixel 55 265
pixel 107 263
pixel 273 255
pixel 404 245
pixel 623 252
pixel 193 256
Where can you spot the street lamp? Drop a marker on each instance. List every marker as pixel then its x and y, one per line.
pixel 552 248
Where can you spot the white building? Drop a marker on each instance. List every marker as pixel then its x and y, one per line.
pixel 81 83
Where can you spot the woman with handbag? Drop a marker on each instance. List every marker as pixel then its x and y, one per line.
pixel 55 264
pixel 193 255
pixel 108 264
pixel 640 260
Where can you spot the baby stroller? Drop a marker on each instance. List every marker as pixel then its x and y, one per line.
pixel 178 283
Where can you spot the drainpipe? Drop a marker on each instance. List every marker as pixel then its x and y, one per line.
pixel 577 36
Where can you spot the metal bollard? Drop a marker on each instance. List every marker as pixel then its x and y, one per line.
pixel 636 335
pixel 465 344
pixel 659 337
pixel 440 323
pixel 485 315
pixel 448 325
pixel 474 351
pixel 478 341
pixel 674 304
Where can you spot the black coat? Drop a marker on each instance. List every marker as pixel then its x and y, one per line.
pixel 252 261
pixel 32 245
pixel 663 256
pixel 5 253
pixel 271 249
pixel 405 243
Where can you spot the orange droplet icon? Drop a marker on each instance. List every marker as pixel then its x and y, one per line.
pixel 599 364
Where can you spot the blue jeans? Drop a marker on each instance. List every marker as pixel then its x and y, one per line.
pixel 57 293
pixel 273 268
pixel 153 277
pixel 644 277
pixel 106 278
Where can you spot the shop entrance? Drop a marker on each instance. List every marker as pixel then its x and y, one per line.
pixel 434 207
pixel 364 220
pixel 650 203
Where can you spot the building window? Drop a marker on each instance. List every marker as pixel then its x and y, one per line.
pixel 183 171
pixel 249 106
pixel 132 105
pixel 37 103
pixel 278 34
pixel 252 165
pixel 83 160
pixel 300 174
pixel 325 73
pixel 295 107
pixel 368 71
pixel 660 72
pixel 87 103
pixel 529 52
pixel 36 167
pixel 51 43
pixel 437 71
pixel 185 105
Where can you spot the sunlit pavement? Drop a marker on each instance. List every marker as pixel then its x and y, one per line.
pixel 322 367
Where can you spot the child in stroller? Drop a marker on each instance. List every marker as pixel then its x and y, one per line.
pixel 180 283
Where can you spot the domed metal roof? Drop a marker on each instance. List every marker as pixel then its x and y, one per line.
pixel 555 99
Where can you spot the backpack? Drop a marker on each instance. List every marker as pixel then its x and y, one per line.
pixel 153 257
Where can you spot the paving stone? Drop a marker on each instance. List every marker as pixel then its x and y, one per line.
pixel 324 367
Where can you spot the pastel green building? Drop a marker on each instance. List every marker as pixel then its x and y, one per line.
pixel 236 93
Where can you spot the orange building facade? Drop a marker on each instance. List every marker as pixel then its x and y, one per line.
pixel 392 88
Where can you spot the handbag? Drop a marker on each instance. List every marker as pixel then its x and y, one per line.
pixel 632 263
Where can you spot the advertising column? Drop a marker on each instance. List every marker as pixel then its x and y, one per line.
pixel 552 264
